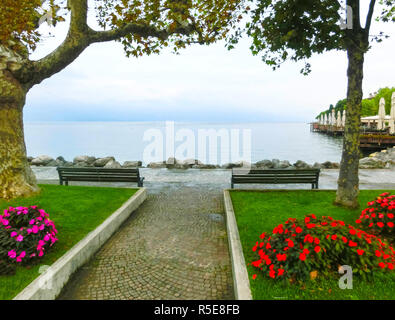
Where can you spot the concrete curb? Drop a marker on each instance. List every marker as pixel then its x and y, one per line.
pixel 49 284
pixel 241 282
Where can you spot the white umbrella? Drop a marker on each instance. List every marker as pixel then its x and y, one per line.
pixel 344 118
pixel 339 119
pixel 381 114
pixel 333 117
pixel 392 114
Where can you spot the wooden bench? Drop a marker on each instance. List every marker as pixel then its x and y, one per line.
pixel 67 174
pixel 274 176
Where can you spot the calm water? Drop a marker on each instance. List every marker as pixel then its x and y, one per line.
pixel 125 141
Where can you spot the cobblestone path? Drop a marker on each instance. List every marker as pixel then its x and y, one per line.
pixel 173 247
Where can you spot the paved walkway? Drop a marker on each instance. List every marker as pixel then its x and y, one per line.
pixel 173 247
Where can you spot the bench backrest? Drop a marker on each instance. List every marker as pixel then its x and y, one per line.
pixel 275 175
pixel 99 174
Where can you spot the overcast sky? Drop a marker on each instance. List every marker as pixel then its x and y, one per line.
pixel 204 83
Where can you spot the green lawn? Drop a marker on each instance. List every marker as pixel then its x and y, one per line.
pixel 259 211
pixel 76 211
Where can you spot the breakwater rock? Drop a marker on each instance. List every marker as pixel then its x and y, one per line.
pixel 379 160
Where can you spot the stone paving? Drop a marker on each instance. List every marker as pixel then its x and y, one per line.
pixel 173 247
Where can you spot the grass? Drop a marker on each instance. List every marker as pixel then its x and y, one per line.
pixel 76 211
pixel 259 211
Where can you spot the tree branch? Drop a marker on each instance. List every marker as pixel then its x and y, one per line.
pixel 77 40
pixel 369 17
pixel 80 36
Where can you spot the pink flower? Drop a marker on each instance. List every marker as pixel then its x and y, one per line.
pixel 29 231
pixel 23 254
pixel 13 234
pixel 5 222
pixel 46 238
pixel 31 221
pixel 12 254
pixel 35 229
pixel 41 228
pixel 41 253
pixel 19 238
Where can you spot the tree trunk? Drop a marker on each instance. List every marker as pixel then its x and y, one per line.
pixel 348 182
pixel 16 176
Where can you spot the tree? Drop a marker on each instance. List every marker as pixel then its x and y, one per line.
pixel 142 26
pixel 295 30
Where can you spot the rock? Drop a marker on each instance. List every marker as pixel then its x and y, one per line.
pixel 29 159
pixel 243 164
pixel 101 162
pixel 317 165
pixel 68 164
pixel 84 161
pixel 112 164
pixel 228 166
pixel 275 164
pixel 192 162
pixel 157 165
pixel 284 164
pixel 53 163
pixel 132 164
pixel 371 163
pixel 264 164
pixel 41 160
pixel 301 165
pixel 205 166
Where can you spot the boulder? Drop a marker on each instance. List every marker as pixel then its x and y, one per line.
pixel 84 161
pixel 132 164
pixel 157 165
pixel 264 164
pixel 243 164
pixel 275 164
pixel 41 160
pixel 301 165
pixel 371 163
pixel 101 162
pixel 228 166
pixel 284 164
pixel 29 159
pixel 317 165
pixel 113 165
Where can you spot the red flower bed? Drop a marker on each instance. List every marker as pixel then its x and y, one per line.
pixel 299 247
pixel 379 216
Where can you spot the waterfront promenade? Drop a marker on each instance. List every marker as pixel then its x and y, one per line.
pixel 175 245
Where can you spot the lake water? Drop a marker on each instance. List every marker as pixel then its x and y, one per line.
pixel 125 141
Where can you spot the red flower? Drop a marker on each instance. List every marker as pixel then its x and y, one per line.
pixel 280 272
pixel 290 244
pixel 358 221
pixel 254 276
pixel 298 230
pixel 390 215
pixel 344 239
pixel 380 224
pixel 306 251
pixel 268 246
pixel 360 252
pixel 352 243
pixel 334 237
pixel 316 241
pixel 272 274
pixel 317 249
pixel 382 265
pixel 390 266
pixel 302 257
pixel 281 257
pixel 378 253
pixel 352 232
pixel 390 224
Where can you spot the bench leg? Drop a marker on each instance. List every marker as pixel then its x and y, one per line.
pixel 67 182
pixel 232 185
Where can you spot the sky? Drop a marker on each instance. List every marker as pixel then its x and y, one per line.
pixel 203 83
